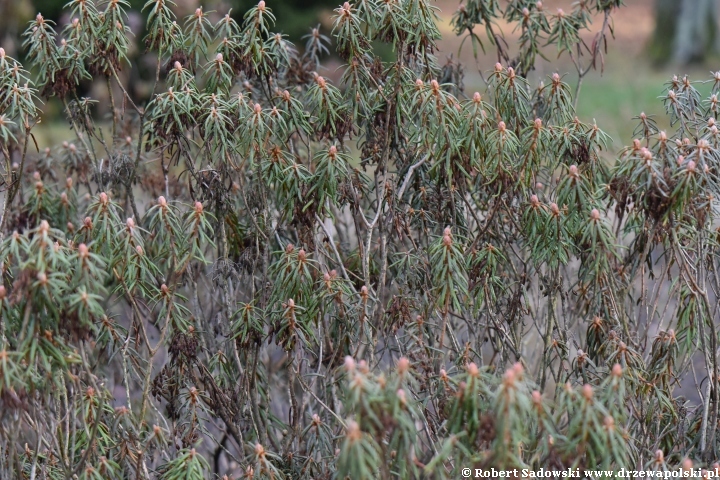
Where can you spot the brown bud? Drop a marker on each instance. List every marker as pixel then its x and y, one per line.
pixel 349 364
pixel 121 410
pixel 509 377
pixel 609 422
pixel 353 431
pixel 645 153
pixel 659 456
pixel 403 365
pixel 259 450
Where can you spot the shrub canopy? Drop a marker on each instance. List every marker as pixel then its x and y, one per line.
pixel 262 273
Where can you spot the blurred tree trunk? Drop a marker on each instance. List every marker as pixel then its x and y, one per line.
pixel 685 31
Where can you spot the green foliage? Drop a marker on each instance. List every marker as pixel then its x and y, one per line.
pixel 260 274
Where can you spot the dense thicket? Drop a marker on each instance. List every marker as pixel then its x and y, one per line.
pixel 263 274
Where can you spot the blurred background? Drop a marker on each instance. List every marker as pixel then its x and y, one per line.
pixel 654 39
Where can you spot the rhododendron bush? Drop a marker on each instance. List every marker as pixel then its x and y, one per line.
pixel 254 271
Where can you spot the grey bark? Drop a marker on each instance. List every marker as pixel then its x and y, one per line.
pixel 685 31
pixel 696 31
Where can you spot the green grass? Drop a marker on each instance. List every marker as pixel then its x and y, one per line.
pixel 612 101
pixel 629 87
